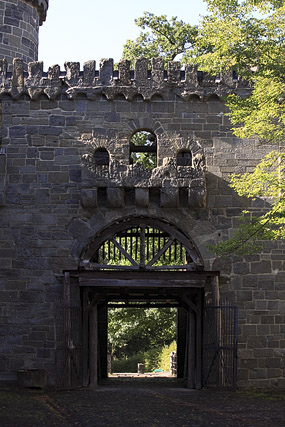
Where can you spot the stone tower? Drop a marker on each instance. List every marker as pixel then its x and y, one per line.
pixel 84 224
pixel 19 23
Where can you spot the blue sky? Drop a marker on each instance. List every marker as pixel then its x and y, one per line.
pixel 80 30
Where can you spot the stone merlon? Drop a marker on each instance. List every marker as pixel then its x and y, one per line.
pixel 91 82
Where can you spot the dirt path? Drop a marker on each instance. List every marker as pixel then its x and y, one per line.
pixel 132 403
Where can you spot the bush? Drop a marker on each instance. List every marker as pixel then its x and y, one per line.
pixel 152 359
pixel 165 355
pixel 155 358
pixel 128 364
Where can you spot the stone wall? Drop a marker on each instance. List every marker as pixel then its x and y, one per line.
pixel 19 27
pixel 55 200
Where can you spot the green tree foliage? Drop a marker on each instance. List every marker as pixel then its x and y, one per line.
pixel 268 182
pixel 133 330
pixel 165 355
pixel 155 358
pixel 165 38
pixel 144 139
pixel 248 37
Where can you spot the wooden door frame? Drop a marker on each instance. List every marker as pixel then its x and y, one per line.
pixel 179 283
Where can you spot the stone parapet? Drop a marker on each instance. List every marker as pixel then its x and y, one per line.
pixel 124 82
pixel 189 182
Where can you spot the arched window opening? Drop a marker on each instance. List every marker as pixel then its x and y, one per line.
pixel 101 157
pixel 143 247
pixel 184 158
pixel 143 149
pixel 214 97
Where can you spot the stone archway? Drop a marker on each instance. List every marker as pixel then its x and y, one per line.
pixel 150 238
pixel 146 260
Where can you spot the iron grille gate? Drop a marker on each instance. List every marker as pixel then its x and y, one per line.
pixel 68 355
pixel 220 347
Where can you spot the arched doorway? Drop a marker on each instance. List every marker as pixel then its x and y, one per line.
pixel 146 261
pixel 143 260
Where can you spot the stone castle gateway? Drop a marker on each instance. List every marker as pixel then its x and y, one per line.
pixel 72 198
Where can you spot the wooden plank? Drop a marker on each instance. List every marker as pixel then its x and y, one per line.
pixel 85 329
pixel 142 246
pixel 156 275
pixel 125 253
pixel 191 376
pixel 113 283
pixel 142 148
pixel 189 303
pixel 66 289
pixel 67 326
pixel 102 340
pixel 136 247
pixel 160 252
pixel 215 285
pixel 148 305
pixel 137 234
pixel 199 342
pixel 94 266
pixel 93 359
pixel 180 267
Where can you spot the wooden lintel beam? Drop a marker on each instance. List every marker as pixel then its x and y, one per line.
pixel 117 283
pixel 143 148
pixel 145 275
pixel 155 305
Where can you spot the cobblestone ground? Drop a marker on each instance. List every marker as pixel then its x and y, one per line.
pixel 140 403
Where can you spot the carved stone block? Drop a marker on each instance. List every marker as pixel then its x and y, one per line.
pixel 124 72
pixel 196 197
pixel 115 197
pixel 141 70
pixel 157 71
pixel 89 73
pixel 106 71
pixel 169 197
pixel 72 73
pixel 191 75
pixel 89 198
pixel 142 197
pixel 173 72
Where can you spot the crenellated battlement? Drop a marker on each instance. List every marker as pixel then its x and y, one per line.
pixel 123 82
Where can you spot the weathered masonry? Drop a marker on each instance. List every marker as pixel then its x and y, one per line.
pixel 83 223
